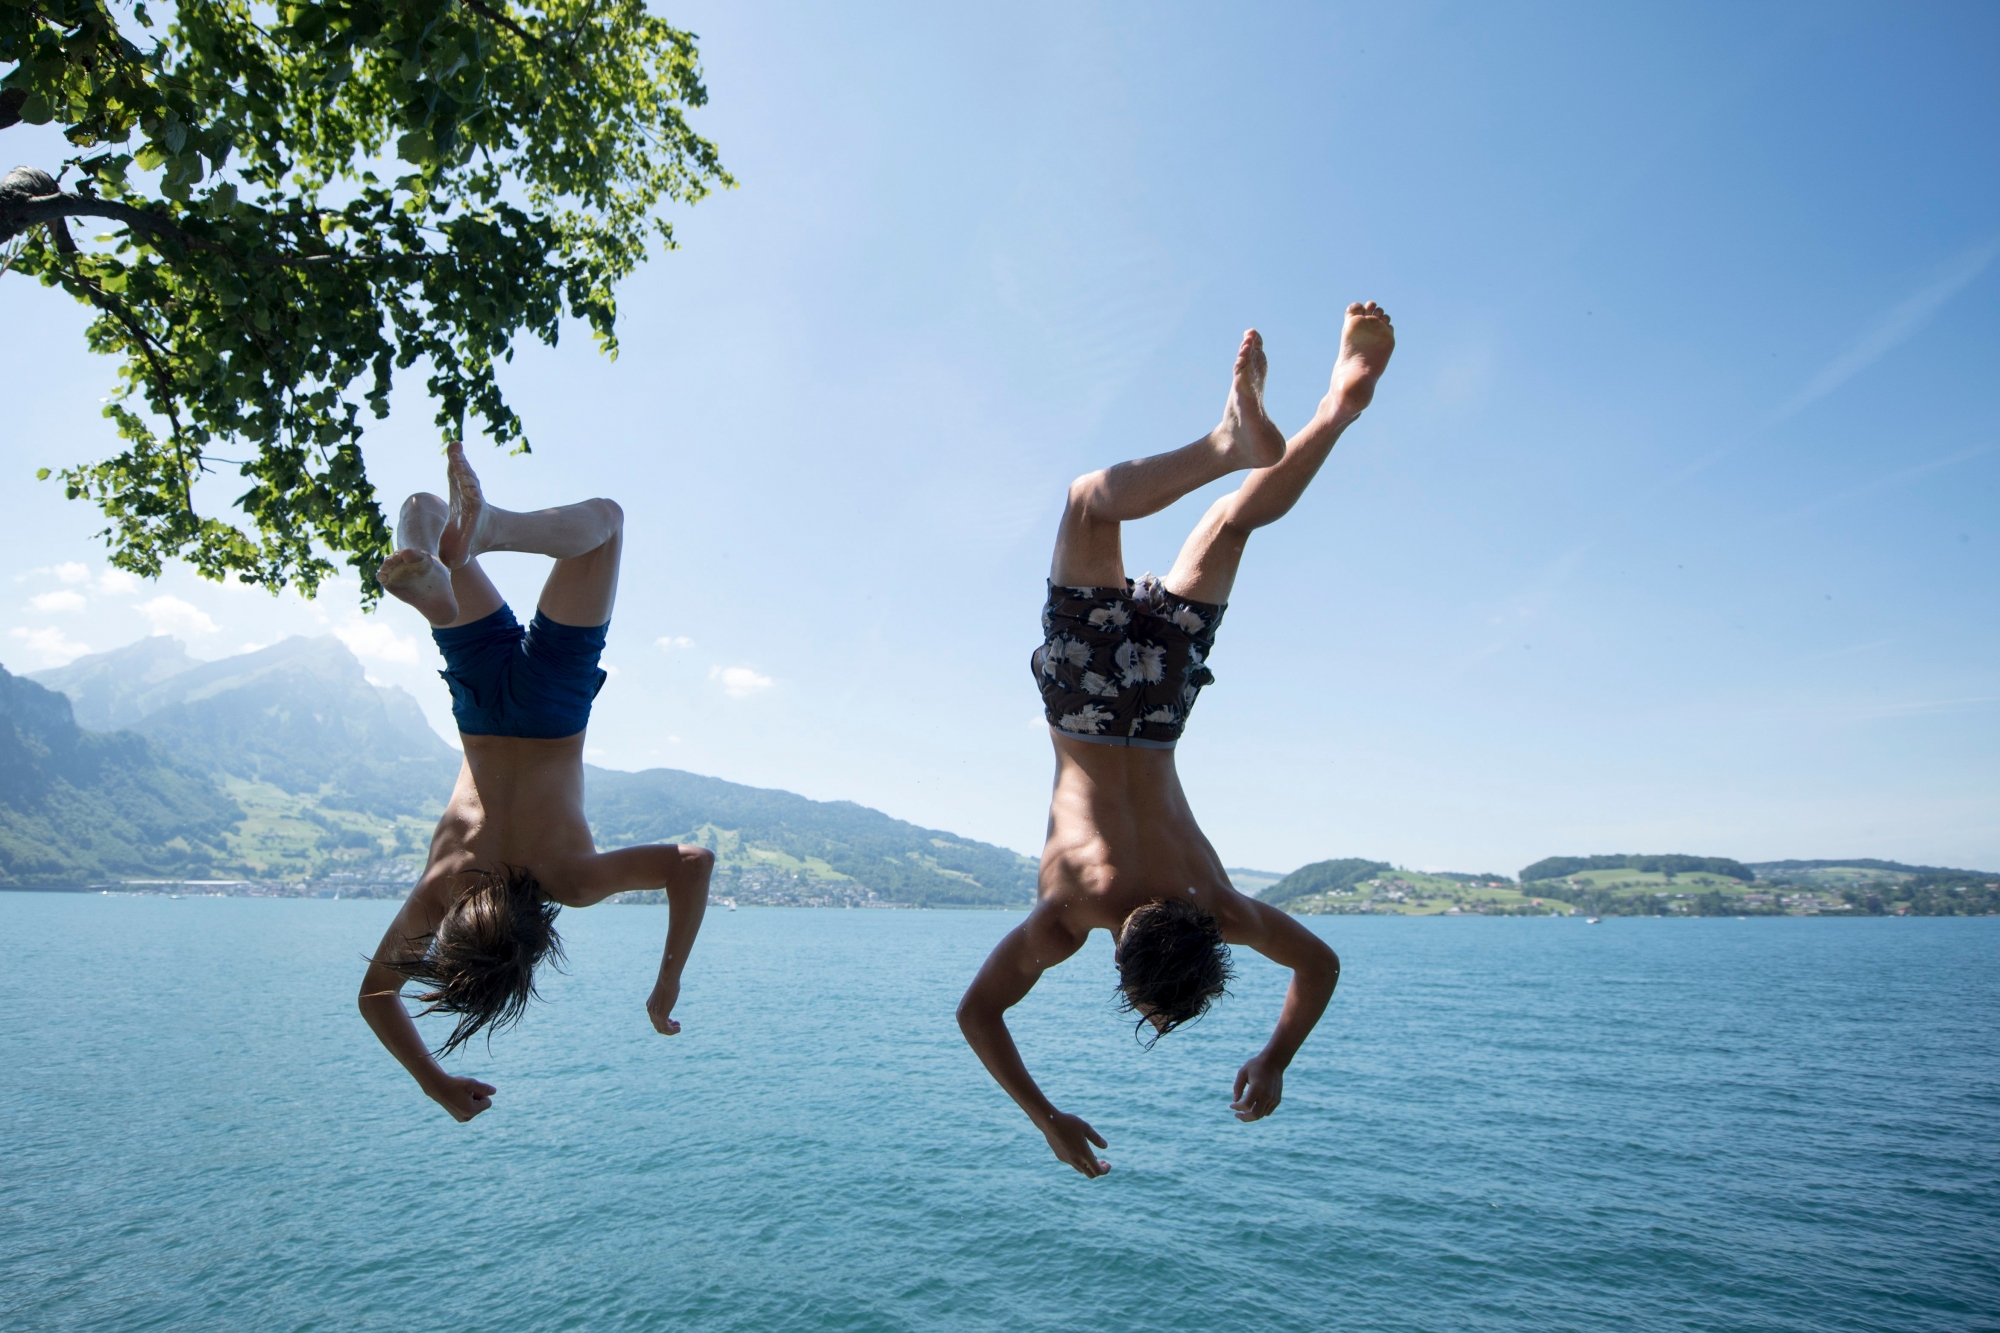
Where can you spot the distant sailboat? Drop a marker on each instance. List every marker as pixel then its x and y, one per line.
pixel 1593 920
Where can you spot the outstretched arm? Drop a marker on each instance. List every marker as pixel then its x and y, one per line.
pixel 683 872
pixel 381 1003
pixel 1260 1084
pixel 1009 973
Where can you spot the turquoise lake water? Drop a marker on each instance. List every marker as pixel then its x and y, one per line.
pixel 1502 1124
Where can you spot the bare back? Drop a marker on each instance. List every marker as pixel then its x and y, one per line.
pixel 1121 834
pixel 518 802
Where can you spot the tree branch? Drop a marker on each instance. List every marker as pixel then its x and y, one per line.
pixel 479 7
pixel 17 214
pixel 476 7
pixel 20 211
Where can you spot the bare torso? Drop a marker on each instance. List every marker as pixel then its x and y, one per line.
pixel 517 802
pixel 1121 834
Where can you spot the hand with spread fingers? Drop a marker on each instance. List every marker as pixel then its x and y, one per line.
pixel 1260 1086
pixel 1070 1139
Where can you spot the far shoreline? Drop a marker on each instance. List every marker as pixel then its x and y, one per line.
pixel 174 890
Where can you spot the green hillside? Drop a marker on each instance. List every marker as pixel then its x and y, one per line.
pixel 1322 878
pixel 300 716
pixel 330 783
pixel 1356 886
pixel 77 807
pixel 774 843
pixel 1667 864
pixel 339 781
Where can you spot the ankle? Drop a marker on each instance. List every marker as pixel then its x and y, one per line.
pixel 1336 413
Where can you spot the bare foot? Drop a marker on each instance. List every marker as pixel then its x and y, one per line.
pixel 1366 341
pixel 418 578
pixel 1247 435
pixel 465 531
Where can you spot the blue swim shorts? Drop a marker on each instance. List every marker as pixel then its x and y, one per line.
pixel 506 681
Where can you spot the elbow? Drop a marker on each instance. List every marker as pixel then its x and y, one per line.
pixel 1330 967
pixel 969 1017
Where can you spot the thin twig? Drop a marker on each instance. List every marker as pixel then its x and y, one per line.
pixel 479 7
pixel 162 381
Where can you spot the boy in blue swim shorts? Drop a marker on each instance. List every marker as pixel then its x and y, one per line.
pixel 513 846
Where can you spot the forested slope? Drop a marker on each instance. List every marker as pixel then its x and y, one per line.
pixel 78 806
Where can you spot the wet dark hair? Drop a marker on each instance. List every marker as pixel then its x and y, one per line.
pixel 481 962
pixel 1172 964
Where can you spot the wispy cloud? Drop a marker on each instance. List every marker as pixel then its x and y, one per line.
pixel 372 640
pixel 1877 712
pixel 1898 326
pixel 74 571
pixel 56 648
pixel 170 615
pixel 740 682
pixel 60 600
pixel 1887 479
pixel 669 642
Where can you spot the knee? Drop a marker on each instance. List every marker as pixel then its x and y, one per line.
pixel 1235 519
pixel 425 505
pixel 610 511
pixel 1086 495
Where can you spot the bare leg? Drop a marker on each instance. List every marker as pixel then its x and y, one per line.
pixel 436 568
pixel 414 574
pixel 1206 568
pixel 1088 553
pixel 581 588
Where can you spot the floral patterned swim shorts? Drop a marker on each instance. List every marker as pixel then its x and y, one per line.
pixel 1122 666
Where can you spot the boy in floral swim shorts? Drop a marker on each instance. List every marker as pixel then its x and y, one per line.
pixel 1120 666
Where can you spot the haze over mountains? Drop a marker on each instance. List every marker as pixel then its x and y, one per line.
pixel 287 765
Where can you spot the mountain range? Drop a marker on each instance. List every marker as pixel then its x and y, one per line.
pixel 287 766
pixel 288 770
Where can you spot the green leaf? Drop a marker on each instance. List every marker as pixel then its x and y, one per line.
pixel 416 147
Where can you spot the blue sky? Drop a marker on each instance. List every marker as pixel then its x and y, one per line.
pixel 1673 527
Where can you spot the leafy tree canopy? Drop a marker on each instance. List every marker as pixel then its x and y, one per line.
pixel 270 269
